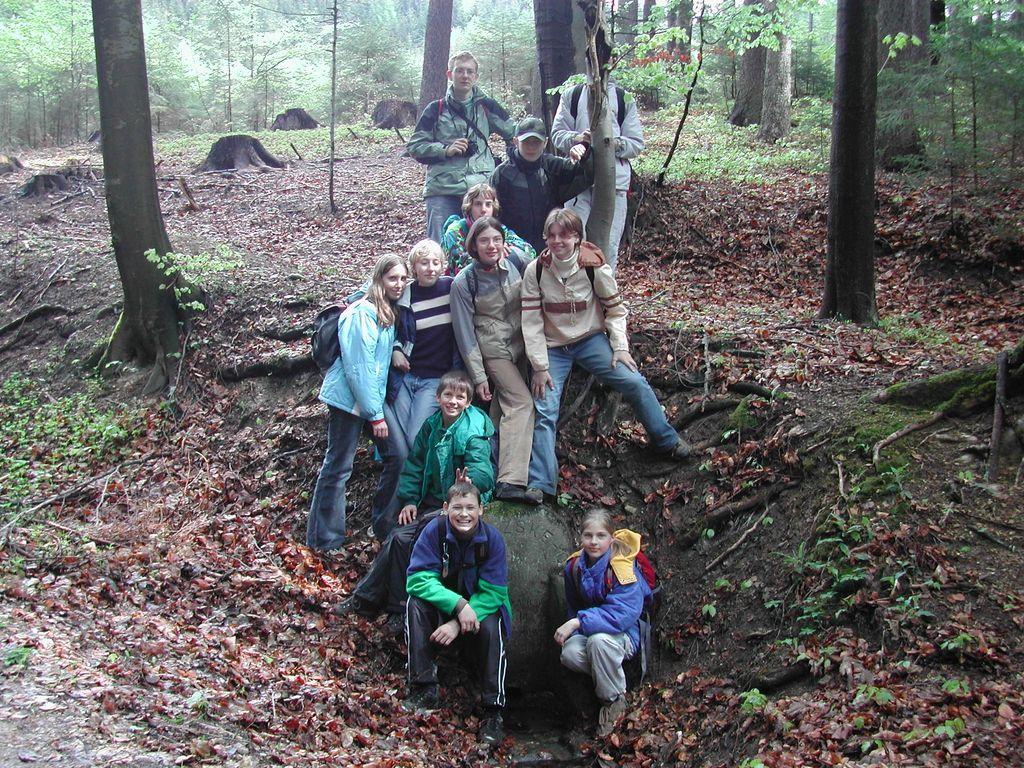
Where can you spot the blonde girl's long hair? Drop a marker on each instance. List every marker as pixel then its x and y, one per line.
pixel 376 295
pixel 602 519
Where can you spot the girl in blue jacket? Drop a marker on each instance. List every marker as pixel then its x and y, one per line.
pixel 604 593
pixel 354 389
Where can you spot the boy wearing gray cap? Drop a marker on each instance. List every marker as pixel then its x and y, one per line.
pixel 532 182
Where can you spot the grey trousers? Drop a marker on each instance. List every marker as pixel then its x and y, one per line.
pixel 600 656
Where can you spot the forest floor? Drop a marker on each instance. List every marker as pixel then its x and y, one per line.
pixel 159 607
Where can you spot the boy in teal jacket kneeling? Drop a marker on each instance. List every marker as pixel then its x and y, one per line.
pixel 458 592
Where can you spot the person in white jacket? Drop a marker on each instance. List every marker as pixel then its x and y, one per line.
pixel 570 132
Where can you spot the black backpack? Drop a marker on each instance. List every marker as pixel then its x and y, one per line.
pixel 324 345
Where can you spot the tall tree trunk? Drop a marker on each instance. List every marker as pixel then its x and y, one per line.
pixel 602 210
pixel 629 15
pixel 684 20
pixel 671 23
pixel 911 17
pixel 436 47
pixel 555 49
pixel 850 269
pixel 750 91
pixel 778 88
pixel 147 331
pixel 646 14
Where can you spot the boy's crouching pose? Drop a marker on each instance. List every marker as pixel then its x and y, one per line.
pixel 458 592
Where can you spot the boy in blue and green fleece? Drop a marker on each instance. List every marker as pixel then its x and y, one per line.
pixel 453 442
pixel 458 590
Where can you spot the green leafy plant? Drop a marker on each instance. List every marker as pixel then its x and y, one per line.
pixel 709 610
pixel 17 656
pixel 753 701
pixel 956 687
pixel 880 696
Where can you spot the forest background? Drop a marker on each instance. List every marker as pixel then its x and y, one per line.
pixel 843 578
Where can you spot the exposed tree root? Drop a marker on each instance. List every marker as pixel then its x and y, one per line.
pixel 719 516
pixel 32 314
pixel 704 408
pixel 899 434
pixel 274 366
pixel 292 333
pixel 773 681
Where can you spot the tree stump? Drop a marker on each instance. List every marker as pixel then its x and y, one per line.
pixel 537 540
pixel 42 184
pixel 238 152
pixel 295 119
pixel 394 113
pixel 9 164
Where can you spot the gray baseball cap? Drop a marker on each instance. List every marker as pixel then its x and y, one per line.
pixel 532 127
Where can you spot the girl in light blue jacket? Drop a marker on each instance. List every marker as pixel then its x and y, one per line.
pixel 354 389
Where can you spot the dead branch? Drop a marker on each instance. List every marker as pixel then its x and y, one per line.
pixel 80 533
pixel 990 537
pixel 66 494
pixel 736 545
pixel 292 145
pixel 567 413
pixel 999 410
pixel 901 433
pixel 274 366
pixel 716 517
pixel 32 314
pixel 183 186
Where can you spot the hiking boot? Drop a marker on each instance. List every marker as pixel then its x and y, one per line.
pixel 509 492
pixel 396 624
pixel 421 698
pixel 533 496
pixel 681 451
pixel 355 604
pixel 609 716
pixel 492 728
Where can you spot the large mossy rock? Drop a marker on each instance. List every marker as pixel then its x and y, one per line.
pixel 538 541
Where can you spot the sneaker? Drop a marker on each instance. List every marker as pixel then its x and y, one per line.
pixel 492 729
pixel 421 698
pixel 610 714
pixel 534 496
pixel 355 604
pixel 509 492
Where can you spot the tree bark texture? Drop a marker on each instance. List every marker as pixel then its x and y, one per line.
pixel 646 13
pixel 436 49
pixel 555 49
pixel 625 22
pixel 602 210
pixel 778 88
pixel 750 89
pixel 912 17
pixel 850 268
pixel 147 331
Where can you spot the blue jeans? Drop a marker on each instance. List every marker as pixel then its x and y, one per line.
pixel 594 355
pixel 325 530
pixel 439 208
pixel 415 401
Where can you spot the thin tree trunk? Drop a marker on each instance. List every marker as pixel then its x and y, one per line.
pixel 436 48
pixel 850 272
pixel 599 222
pixel 147 331
pixel 334 102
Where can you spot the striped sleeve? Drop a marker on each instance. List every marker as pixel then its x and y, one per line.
pixel 533 319
pixel 614 307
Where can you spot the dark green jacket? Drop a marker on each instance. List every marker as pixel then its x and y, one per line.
pixel 465 444
pixel 444 121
